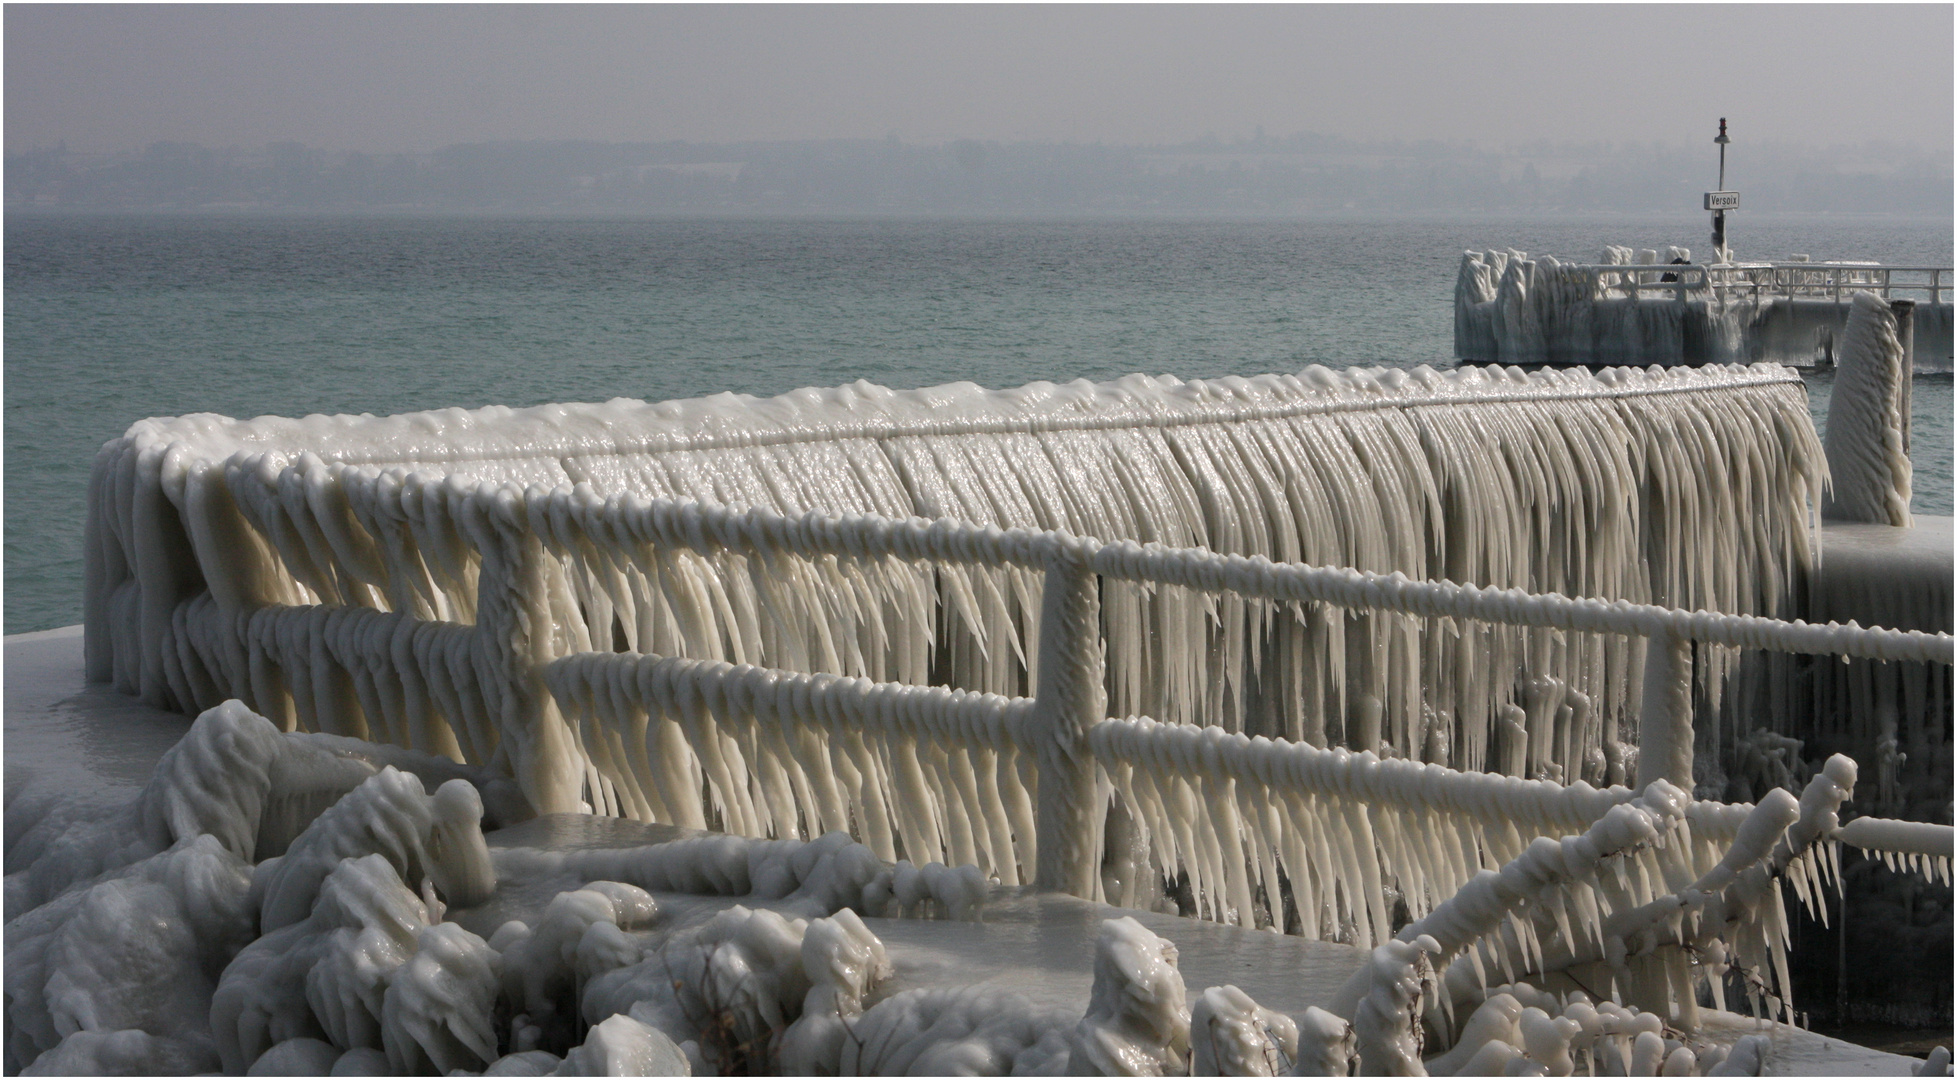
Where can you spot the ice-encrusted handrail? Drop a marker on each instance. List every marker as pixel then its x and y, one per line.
pixel 1286 796
pixel 872 727
pixel 591 429
pixel 1075 726
pixel 1362 776
pixel 966 716
pixel 705 529
pixel 1549 481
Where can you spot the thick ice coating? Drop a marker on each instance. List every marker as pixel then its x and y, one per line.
pixel 1231 1035
pixel 622 1046
pixel 843 961
pixel 1137 1021
pixel 436 839
pixel 1868 421
pixel 759 617
pixel 601 979
pixel 137 952
pixel 405 578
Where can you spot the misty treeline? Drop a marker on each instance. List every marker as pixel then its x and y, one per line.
pixel 1296 175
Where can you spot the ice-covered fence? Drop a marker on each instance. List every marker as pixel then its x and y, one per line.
pixel 961 769
pixel 788 753
pixel 1834 282
pixel 1691 488
pixel 1642 309
pixel 519 589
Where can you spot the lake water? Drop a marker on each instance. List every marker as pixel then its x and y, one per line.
pixel 113 318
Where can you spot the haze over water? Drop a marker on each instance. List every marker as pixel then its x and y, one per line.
pixel 113 318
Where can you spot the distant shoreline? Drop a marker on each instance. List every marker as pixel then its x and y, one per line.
pixel 209 212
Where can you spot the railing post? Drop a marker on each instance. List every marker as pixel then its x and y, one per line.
pixel 1071 697
pixel 1904 312
pixel 513 620
pixel 1665 725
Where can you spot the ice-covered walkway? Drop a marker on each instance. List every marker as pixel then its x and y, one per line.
pixel 1036 950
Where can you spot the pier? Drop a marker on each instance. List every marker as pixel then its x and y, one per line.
pixel 1513 309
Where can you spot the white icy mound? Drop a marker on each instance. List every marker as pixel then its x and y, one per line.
pixel 133 958
pixel 237 779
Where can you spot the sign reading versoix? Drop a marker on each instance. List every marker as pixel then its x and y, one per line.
pixel 1722 200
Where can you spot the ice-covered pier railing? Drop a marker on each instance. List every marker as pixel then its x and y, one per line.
pixel 772 617
pixel 245 558
pixel 1642 308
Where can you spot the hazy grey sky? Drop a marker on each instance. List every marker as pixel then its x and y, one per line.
pixel 390 78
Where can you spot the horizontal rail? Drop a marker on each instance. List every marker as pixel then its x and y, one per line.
pixel 1784 279
pixel 1903 837
pixel 933 712
pixel 1543 805
pixel 1359 391
pixel 706 528
pixel 1365 777
pixel 1258 576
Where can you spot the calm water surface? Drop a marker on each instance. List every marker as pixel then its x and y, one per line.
pixel 113 318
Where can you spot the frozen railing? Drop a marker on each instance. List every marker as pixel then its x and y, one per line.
pixel 1011 784
pixel 1834 282
pixel 200 526
pixel 1512 308
pixel 955 757
pixel 517 589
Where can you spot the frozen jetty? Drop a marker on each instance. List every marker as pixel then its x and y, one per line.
pixel 1640 308
pixel 1422 665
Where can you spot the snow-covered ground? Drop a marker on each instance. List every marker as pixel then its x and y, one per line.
pixel 1032 956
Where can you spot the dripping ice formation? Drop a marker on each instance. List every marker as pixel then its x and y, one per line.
pixel 615 608
pixel 329 570
pixel 1868 425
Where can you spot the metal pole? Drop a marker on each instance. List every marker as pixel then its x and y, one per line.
pixel 1719 216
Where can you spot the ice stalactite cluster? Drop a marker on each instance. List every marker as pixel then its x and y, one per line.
pixel 1343 846
pixel 1913 846
pixel 1868 420
pixel 1287 835
pixel 934 769
pixel 407 578
pixel 1892 717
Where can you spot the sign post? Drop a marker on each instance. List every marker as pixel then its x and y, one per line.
pixel 1722 200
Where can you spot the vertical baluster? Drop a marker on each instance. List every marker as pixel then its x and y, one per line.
pixel 1071 697
pixel 1665 719
pixel 513 623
